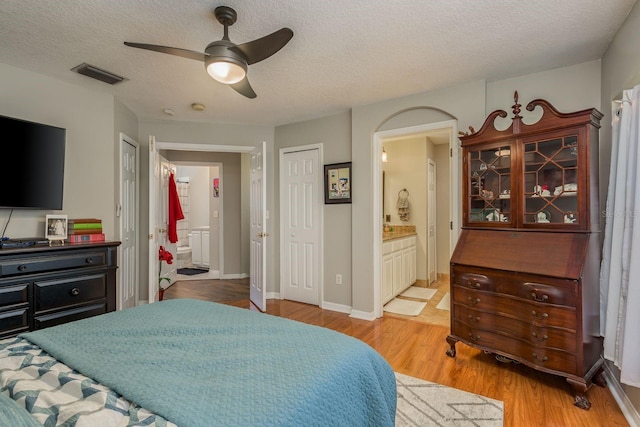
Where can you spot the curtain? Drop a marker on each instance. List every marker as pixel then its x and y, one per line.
pixel 620 269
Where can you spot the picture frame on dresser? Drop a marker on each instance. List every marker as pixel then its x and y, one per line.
pixel 56 227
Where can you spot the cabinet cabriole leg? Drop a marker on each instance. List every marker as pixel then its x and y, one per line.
pixel 451 352
pixel 580 397
pixel 599 379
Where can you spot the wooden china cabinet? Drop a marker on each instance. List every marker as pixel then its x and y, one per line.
pixel 525 271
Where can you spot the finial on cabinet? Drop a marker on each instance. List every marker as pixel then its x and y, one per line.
pixel 516 106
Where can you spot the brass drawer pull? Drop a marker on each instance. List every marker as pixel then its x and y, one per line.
pixel 474 337
pixel 473 319
pixel 75 292
pixel 544 358
pixel 473 301
pixel 544 337
pixel 544 315
pixel 543 299
pixel 473 284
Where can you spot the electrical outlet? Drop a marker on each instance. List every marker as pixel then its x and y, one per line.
pixel 338 279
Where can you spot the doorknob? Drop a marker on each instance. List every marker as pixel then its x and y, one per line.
pixel 262 235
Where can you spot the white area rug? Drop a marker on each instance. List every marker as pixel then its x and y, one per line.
pixel 445 302
pixel 419 293
pixel 422 403
pixel 404 306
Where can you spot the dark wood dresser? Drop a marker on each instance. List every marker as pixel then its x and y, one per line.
pixel 42 286
pixel 525 270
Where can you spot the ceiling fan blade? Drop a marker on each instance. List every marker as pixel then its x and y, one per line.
pixel 244 88
pixel 189 54
pixel 262 48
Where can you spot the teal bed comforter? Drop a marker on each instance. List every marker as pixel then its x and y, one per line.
pixel 198 363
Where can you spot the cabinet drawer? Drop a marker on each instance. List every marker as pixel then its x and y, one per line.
pixel 69 315
pixel 14 322
pixel 539 336
pixel 28 265
pixel 547 358
pixel 538 314
pixel 14 295
pixel 530 287
pixel 69 291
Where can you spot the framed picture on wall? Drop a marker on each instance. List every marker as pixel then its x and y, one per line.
pixel 337 183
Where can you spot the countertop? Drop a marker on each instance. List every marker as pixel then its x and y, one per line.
pixel 398 232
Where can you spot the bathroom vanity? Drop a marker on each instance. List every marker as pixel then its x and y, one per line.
pixel 398 262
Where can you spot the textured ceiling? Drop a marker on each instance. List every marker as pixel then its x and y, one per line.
pixel 343 53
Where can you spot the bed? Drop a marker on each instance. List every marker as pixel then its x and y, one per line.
pixel 189 363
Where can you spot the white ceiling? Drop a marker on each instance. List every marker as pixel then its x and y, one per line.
pixel 343 53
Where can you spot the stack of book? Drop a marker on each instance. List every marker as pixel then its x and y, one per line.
pixel 85 230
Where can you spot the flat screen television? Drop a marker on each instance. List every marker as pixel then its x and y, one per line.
pixel 32 170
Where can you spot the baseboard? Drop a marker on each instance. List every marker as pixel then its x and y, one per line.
pixel 234 276
pixel 340 308
pixel 273 295
pixel 364 315
pixel 627 408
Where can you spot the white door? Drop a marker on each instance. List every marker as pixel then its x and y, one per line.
pixel 154 179
pixel 128 215
pixel 431 222
pixel 159 168
pixel 162 215
pixel 258 203
pixel 301 238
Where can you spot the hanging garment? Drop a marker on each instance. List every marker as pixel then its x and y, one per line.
pixel 403 205
pixel 175 210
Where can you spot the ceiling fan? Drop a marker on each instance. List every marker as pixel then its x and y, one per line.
pixel 226 61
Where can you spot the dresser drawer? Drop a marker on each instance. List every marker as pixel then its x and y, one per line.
pixel 29 265
pixel 547 358
pixel 66 316
pixel 14 295
pixel 52 294
pixel 13 322
pixel 530 287
pixel 536 313
pixel 539 336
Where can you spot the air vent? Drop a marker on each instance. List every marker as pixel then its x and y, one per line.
pixel 98 74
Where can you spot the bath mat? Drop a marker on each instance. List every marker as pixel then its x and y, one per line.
pixel 404 306
pixel 192 271
pixel 445 302
pixel 419 293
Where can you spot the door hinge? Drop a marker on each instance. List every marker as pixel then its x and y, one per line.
pixel 450 152
pixel 450 225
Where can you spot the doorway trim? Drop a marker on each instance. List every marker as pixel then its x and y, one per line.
pixel 125 139
pixel 454 203
pixel 178 146
pixel 320 222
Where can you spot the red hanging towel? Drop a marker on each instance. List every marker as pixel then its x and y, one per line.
pixel 175 210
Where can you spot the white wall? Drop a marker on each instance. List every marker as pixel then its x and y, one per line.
pixel 90 164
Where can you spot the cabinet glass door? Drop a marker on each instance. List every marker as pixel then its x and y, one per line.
pixel 490 185
pixel 551 181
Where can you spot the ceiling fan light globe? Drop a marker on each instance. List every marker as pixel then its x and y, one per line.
pixel 226 72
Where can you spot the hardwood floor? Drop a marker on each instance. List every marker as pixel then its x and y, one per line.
pixel 530 398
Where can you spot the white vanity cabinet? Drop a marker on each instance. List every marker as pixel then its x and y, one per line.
pixel 398 266
pixel 200 246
